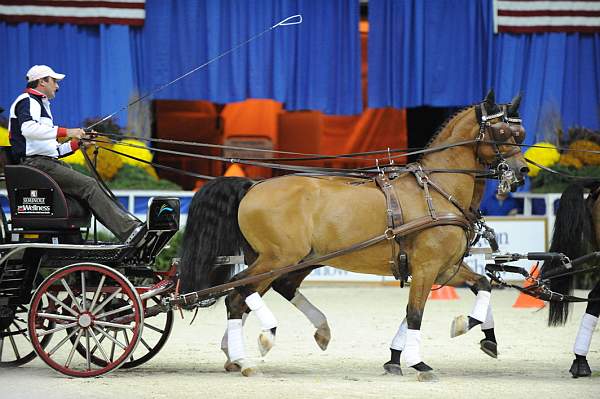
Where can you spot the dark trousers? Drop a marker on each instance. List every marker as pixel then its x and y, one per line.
pixel 120 222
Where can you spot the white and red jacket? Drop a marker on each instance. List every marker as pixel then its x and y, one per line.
pixel 32 131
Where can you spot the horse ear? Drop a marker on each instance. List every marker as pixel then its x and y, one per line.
pixel 490 97
pixel 514 105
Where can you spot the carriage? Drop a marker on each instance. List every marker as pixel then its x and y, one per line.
pixel 53 279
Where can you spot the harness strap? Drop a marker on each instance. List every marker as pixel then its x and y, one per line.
pixel 413 226
pixel 394 219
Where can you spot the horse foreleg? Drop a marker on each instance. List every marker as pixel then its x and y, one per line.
pixel 482 310
pixel 288 287
pixel 420 288
pixel 589 321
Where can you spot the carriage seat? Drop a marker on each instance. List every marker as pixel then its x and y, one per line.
pixel 37 202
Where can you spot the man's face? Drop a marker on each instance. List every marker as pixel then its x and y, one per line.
pixel 49 86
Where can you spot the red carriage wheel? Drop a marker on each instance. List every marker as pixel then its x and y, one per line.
pixel 81 301
pixel 157 329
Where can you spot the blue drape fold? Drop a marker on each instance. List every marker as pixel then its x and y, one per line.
pixel 314 65
pixel 444 53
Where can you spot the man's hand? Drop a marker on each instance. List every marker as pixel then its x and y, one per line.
pixel 88 139
pixel 76 133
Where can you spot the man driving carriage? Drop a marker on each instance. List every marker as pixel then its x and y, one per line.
pixel 35 142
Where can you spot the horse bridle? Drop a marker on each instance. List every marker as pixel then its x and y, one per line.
pixel 499 132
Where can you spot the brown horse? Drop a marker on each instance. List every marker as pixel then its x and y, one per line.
pixel 286 220
pixel 576 233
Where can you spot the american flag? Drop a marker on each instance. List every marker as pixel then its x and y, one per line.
pixel 532 16
pixel 83 12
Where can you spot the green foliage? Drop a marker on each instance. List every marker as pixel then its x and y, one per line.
pixel 134 178
pixel 547 182
pixel 163 261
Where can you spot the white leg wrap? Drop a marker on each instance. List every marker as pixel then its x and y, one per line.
pixel 235 340
pixel 412 349
pixel 399 341
pixel 264 314
pixel 489 319
pixel 314 315
pixel 584 335
pixel 224 340
pixel 482 302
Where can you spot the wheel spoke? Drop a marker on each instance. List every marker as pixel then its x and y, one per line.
pixel 21 331
pixel 71 295
pixel 98 346
pixel 59 328
pixel 61 303
pixel 56 316
pixel 110 313
pixel 115 340
pixel 97 293
pixel 62 342
pixel 114 325
pixel 106 301
pixel 1 347
pixel 112 349
pixel 83 293
pixel 87 350
pixel 14 345
pixel 145 344
pixel 73 348
pixel 158 330
pixel 127 342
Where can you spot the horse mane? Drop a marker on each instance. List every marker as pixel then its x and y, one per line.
pixel 448 123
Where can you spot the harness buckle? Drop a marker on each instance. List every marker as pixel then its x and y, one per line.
pixel 389 234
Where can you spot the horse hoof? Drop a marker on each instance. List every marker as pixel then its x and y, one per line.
pixel 251 372
pixel 323 336
pixel 490 348
pixel 392 368
pixel 266 340
pixel 580 368
pixel 460 325
pixel 230 366
pixel 248 368
pixel 426 376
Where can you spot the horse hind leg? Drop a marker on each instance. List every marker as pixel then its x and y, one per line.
pixel 288 287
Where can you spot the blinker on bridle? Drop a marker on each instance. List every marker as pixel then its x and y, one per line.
pixel 500 131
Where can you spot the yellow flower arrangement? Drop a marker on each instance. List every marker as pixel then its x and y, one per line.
pixel 571 161
pixel 137 149
pixel 4 140
pixel 545 154
pixel 581 147
pixel 107 163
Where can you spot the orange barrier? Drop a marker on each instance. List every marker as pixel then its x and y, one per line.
pixel 235 170
pixel 527 301
pixel 445 293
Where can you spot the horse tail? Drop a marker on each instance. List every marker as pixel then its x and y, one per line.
pixel 212 230
pixel 572 236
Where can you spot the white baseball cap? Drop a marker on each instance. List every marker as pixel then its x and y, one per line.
pixel 41 71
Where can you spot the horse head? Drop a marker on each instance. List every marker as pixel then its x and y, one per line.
pixel 497 142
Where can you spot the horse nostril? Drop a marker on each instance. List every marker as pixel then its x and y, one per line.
pixel 524 170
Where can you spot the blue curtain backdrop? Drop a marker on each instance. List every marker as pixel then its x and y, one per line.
pixel 314 65
pixel 444 53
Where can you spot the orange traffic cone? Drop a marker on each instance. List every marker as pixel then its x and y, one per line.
pixel 527 301
pixel 235 170
pixel 444 293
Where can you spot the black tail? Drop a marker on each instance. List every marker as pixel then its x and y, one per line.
pixel 573 235
pixel 212 230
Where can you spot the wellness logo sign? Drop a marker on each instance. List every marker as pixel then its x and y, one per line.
pixel 34 202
